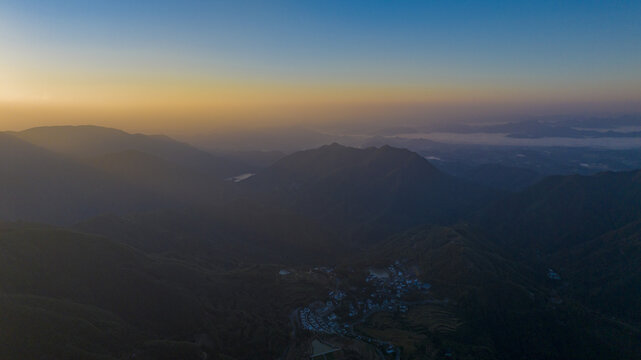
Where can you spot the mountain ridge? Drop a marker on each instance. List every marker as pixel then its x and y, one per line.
pixel 88 140
pixel 372 188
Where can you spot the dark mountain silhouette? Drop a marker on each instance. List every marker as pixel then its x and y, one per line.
pixel 168 260
pixel 365 192
pixel 586 228
pixel 561 211
pixel 99 296
pixel 512 303
pixel 501 177
pixel 39 185
pixel 68 295
pixel 236 231
pixel 456 259
pixel 88 141
pixel 169 180
pixel 605 272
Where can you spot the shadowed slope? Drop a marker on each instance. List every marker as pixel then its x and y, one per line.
pixel 39 185
pixel 561 211
pixel 365 193
pixel 88 141
pixel 169 180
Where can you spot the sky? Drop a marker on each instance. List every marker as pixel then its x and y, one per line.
pixel 200 65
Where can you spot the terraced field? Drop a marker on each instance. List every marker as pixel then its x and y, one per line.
pixel 418 333
pixel 432 318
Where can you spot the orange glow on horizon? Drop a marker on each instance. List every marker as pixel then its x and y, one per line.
pixel 159 101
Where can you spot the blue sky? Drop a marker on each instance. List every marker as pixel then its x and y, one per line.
pixel 581 48
pixel 549 38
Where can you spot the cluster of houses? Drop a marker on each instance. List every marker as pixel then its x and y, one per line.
pixel 395 281
pixel 321 321
pixel 385 293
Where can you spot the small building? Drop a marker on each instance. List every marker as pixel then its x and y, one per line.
pixel 553 275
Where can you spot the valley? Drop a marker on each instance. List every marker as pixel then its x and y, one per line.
pixel 320 180
pixel 333 252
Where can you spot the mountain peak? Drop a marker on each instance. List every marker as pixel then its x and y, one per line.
pixel 87 141
pixel 329 159
pixel 333 146
pixel 372 187
pixel 71 130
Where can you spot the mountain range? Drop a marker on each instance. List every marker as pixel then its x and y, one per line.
pixel 120 246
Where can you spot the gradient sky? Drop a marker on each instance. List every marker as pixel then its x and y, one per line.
pixel 204 64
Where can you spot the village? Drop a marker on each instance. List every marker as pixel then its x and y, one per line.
pixel 386 290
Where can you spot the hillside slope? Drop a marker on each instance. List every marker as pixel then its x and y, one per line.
pixel 69 295
pixel 507 309
pixel 89 141
pixel 365 193
pixel 38 185
pixel 561 211
pixel 169 180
